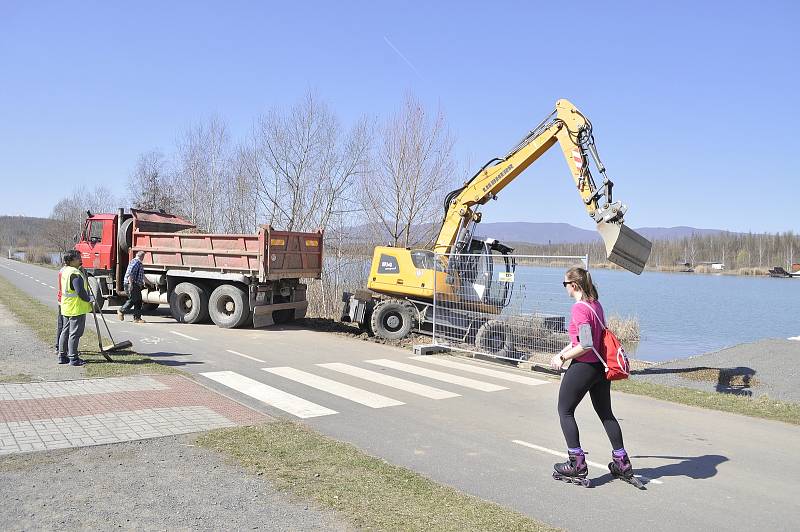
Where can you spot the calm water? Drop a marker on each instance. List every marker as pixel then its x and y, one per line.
pixel 686 314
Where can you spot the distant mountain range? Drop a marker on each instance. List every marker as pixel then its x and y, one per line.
pixel 562 233
pixel 540 233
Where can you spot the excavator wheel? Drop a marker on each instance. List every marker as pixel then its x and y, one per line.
pixel 393 319
pixel 494 338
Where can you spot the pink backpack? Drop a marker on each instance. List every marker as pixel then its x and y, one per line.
pixel 612 353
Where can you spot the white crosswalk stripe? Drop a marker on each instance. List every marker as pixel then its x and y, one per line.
pixel 437 375
pixel 267 394
pixel 372 400
pixel 387 380
pixel 530 381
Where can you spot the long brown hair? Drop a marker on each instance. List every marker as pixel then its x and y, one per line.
pixel 583 280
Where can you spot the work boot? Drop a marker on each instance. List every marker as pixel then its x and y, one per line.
pixel 120 315
pixel 63 360
pixel 77 361
pixel 138 320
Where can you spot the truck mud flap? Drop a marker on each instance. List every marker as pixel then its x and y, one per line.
pixel 262 314
pixel 624 246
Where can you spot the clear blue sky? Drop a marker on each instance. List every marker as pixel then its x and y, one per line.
pixel 694 104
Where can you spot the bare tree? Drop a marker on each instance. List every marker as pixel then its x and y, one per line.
pixel 70 212
pixel 149 185
pixel 413 170
pixel 305 166
pixel 203 166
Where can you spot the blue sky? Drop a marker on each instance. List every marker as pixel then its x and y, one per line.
pixel 694 104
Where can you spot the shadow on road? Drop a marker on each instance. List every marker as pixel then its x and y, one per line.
pixel 696 467
pixel 734 381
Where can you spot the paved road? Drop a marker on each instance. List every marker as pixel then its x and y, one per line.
pixel 492 437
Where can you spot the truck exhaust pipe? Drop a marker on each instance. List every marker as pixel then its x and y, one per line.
pixel 624 246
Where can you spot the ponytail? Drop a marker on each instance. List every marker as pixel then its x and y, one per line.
pixel 583 279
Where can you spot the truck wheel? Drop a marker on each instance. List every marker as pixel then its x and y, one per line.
pixel 392 319
pixel 494 338
pixel 229 306
pixel 99 300
pixel 125 236
pixel 189 303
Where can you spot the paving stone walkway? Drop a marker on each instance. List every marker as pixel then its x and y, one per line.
pixel 57 415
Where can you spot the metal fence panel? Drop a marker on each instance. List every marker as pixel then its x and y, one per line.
pixel 510 307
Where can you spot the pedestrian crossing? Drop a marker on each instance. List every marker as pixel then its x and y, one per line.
pixel 321 378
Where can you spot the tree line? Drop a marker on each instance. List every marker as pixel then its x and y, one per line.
pixel 748 253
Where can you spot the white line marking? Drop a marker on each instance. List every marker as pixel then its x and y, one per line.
pixel 372 400
pixel 480 370
pixel 186 336
pixel 267 394
pixel 393 382
pixel 43 284
pixel 53 287
pixel 438 375
pixel 246 356
pixel 564 455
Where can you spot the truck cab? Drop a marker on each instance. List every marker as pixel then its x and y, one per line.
pixel 97 243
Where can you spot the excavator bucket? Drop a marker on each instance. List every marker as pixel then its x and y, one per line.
pixel 624 246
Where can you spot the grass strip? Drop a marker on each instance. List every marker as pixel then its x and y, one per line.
pixel 368 492
pixel 762 406
pixel 42 320
pixel 19 378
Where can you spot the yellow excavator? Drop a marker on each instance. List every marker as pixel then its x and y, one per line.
pixel 399 298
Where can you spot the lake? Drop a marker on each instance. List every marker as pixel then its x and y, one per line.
pixel 686 314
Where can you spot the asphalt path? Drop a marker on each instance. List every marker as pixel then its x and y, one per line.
pixel 703 469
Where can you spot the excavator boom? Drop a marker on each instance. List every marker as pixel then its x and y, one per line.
pixel 568 127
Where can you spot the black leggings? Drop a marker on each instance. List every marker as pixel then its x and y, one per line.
pixel 582 377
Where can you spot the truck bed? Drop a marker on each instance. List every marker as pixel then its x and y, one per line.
pixel 266 255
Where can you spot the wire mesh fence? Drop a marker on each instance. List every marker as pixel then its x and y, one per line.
pixel 511 307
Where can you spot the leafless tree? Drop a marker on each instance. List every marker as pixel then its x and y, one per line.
pixel 149 185
pixel 70 212
pixel 305 165
pixel 413 170
pixel 201 173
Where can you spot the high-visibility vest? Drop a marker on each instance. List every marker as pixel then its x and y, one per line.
pixel 71 304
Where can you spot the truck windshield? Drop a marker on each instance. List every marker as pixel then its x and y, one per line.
pixel 96 231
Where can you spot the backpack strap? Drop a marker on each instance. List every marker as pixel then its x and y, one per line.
pixel 603 325
pixel 604 328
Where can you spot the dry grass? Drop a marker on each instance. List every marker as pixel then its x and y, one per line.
pixel 761 407
pixel 40 318
pixel 626 328
pixel 370 493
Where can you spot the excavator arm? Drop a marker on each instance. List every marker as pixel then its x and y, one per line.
pixel 568 127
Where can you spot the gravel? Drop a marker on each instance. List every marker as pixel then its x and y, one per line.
pixel 159 484
pixel 23 353
pixel 771 365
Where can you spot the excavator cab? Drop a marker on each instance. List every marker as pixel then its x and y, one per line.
pixel 483 275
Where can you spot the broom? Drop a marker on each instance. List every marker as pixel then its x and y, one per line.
pixel 115 346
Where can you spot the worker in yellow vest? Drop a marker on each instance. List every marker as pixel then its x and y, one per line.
pixel 75 305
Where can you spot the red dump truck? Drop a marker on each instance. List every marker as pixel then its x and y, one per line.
pixel 232 279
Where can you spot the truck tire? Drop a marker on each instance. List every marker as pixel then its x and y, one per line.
pixel 229 306
pixel 494 338
pixel 392 319
pixel 188 303
pixel 99 300
pixel 125 236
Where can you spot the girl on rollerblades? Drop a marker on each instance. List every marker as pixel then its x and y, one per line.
pixel 586 373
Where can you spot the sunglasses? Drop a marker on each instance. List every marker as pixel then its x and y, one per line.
pixel 565 283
